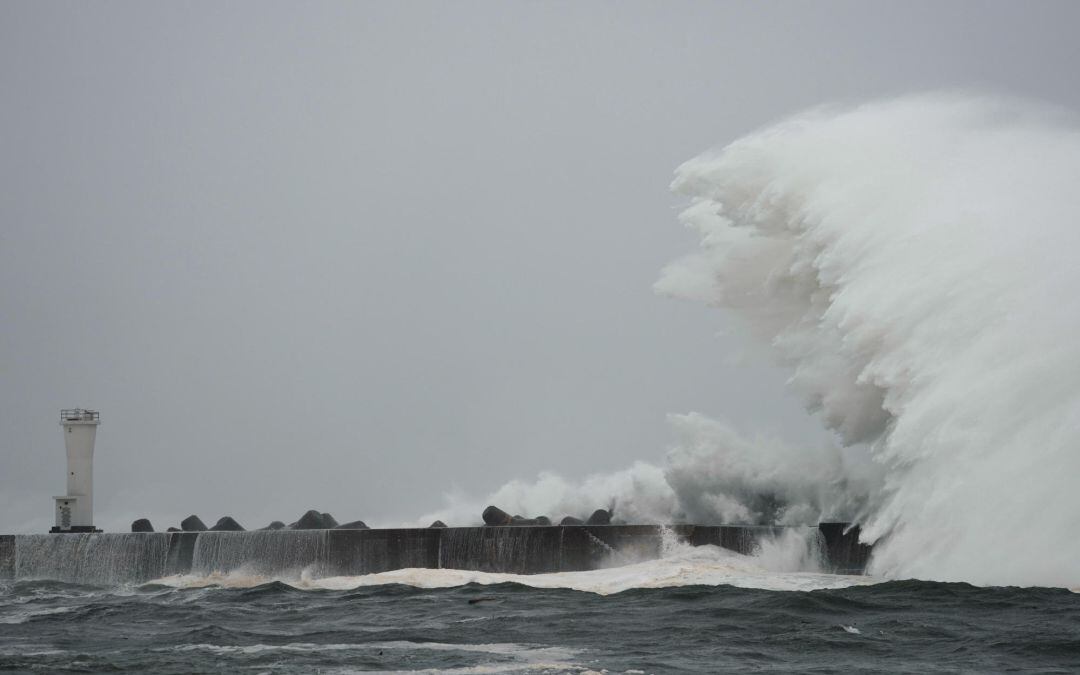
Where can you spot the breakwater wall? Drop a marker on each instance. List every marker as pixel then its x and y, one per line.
pixel 139 557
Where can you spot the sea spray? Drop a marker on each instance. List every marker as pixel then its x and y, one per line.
pixel 779 550
pixel 712 474
pixel 914 263
pixel 777 559
pixel 796 549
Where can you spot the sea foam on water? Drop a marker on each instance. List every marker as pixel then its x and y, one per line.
pixel 788 562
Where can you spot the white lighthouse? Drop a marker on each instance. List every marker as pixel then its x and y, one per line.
pixel 75 510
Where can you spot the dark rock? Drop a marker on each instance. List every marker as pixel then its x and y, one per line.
pixel 227 524
pixel 354 525
pixel 570 520
pixel 276 525
pixel 142 525
pixel 329 521
pixel 192 524
pixel 493 515
pixel 543 521
pixel 599 517
pixel 174 529
pixel 523 522
pixel 312 520
pixel 437 523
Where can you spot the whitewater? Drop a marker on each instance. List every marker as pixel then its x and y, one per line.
pixel 789 562
pixel 913 263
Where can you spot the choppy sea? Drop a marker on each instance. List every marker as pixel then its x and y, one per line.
pixel 704 613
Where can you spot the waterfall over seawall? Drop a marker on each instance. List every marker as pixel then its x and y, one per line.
pixel 272 553
pixel 355 552
pixel 92 558
pixel 109 559
pixel 502 549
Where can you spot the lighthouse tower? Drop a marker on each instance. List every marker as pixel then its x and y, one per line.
pixel 75 510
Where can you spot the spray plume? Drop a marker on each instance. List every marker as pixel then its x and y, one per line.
pixel 914 263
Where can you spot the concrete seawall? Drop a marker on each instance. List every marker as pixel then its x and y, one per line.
pixel 7 556
pixel 106 558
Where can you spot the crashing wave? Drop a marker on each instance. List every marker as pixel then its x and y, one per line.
pixel 913 262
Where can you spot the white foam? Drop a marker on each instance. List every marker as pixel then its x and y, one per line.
pixel 31 650
pixel 502 648
pixel 24 615
pixel 914 262
pixel 521 657
pixel 260 648
pixel 776 568
pixel 541 666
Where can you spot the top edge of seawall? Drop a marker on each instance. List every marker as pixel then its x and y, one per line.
pixel 677 527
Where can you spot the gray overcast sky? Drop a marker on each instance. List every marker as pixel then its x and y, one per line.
pixel 351 256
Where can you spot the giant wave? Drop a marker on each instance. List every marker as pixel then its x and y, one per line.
pixel 914 263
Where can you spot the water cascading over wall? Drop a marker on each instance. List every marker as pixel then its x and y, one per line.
pixel 272 553
pixel 91 558
pixel 517 550
pixel 140 557
pixel 354 552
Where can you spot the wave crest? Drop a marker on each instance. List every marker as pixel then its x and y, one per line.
pixel 914 263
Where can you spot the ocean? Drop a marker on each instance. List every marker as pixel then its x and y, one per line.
pixel 704 610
